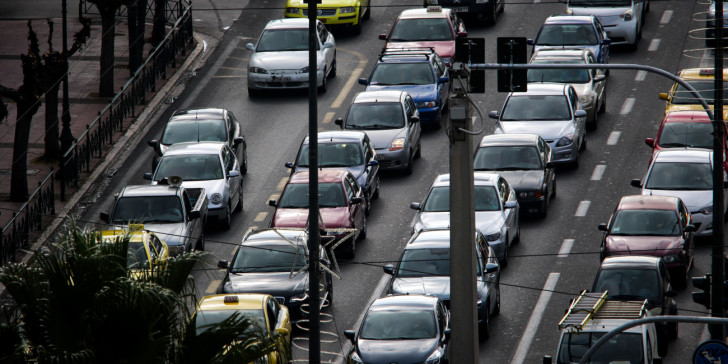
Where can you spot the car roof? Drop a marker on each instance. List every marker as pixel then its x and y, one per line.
pixel 429 239
pixel 275 233
pixel 339 136
pixel 509 139
pixel 645 202
pixel 695 73
pixel 245 301
pixel 687 116
pixel 544 88
pixel 560 53
pixel 325 175
pixel 150 190
pixel 404 302
pixel 423 13
pixel 193 114
pixel 288 23
pixel 630 261
pixel 407 55
pixel 194 148
pixel 479 178
pixel 379 96
pixel 684 155
pixel 569 19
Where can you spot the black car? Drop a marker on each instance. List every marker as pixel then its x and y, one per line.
pixel 274 261
pixel 202 125
pixel 638 278
pixel 525 161
pixel 402 329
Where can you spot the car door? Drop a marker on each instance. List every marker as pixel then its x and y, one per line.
pixel 441 71
pixel 685 219
pixel 371 171
pixel 579 123
pixel 509 215
pixel 413 129
pixel 234 132
pixel 356 211
pixel 549 175
pixel 323 37
pixel 603 57
pixel 230 163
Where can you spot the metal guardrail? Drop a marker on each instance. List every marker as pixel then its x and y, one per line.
pixel 99 133
pixel 28 218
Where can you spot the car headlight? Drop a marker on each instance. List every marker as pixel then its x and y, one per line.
pixel 671 258
pixel 300 297
pixel 586 99
pixel 356 359
pixel 397 144
pixel 707 210
pixel 305 69
pixel 435 357
pixel 424 104
pixel 627 15
pixel 257 70
pixel 347 10
pixel 565 140
pixel 531 194
pixel 216 198
pixel 493 237
pixel 293 11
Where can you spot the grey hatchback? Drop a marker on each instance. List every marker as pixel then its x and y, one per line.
pixel 392 122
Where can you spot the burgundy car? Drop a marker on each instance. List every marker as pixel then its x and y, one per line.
pixel 341 205
pixel 684 129
pixel 659 226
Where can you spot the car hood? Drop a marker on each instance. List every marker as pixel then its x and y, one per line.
pixel 331 216
pixel 172 234
pixel 433 286
pixel 486 221
pixel 418 92
pixel 593 48
pixel 383 138
pixel 549 130
pixel 600 11
pixel 524 180
pixel 395 351
pixel 444 49
pixel 274 284
pixel 644 245
pixel 210 186
pixel 293 60
pixel 694 200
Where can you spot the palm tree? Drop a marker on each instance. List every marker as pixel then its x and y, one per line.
pixel 78 303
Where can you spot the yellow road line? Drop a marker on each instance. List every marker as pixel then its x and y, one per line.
pixel 282 183
pixel 274 197
pixel 347 87
pixel 260 217
pixel 328 117
pixel 212 287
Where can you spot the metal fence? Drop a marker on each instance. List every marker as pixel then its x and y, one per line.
pixel 173 9
pixel 28 218
pixel 99 133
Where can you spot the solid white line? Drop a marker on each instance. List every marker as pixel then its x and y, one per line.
pixel 565 248
pixel 598 172
pixel 530 332
pixel 654 44
pixel 640 76
pixel 353 79
pixel 627 106
pixel 666 16
pixel 613 137
pixel 582 209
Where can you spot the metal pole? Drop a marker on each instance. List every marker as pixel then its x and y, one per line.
pixel 66 134
pixel 463 310
pixel 717 309
pixel 314 345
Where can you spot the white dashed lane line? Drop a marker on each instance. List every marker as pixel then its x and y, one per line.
pixel 613 137
pixel 666 16
pixel 536 316
pixel 566 248
pixel 627 106
pixel 654 45
pixel 598 172
pixel 640 76
pixel 582 208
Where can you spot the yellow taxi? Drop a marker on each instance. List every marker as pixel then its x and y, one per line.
pixel 702 79
pixel 145 248
pixel 333 12
pixel 271 315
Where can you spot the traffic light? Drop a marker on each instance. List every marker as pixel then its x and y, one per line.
pixel 512 51
pixel 703 283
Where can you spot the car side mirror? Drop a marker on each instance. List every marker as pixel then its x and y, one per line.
pixel 195 214
pixel 328 45
pixel 351 335
pixel 663 96
pixel 493 114
pixel 104 216
pixel 272 203
pixel 602 227
pixel 690 228
pixel 491 268
pixel 233 174
pixel 282 331
pixel 650 142
pixel 339 122
pixel 415 206
pixel 580 113
pixel 446 335
pixel 599 78
pixel 462 34
pixel 383 36
pixel 363 81
pixel 147 176
pixel 373 162
pixel 153 143
pixel 356 200
pixel 444 79
pixel 223 264
pixel 511 204
pixel 389 269
pixel 414 119
pixel 636 183
pixel 250 46
pixel 237 141
pixel 289 165
pixel 529 42
pixel 670 293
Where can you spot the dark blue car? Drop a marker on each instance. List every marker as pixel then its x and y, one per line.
pixel 420 72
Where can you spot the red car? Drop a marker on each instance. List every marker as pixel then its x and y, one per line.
pixel 659 226
pixel 431 27
pixel 683 129
pixel 341 205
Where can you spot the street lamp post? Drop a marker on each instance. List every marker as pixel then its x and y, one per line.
pixel 67 138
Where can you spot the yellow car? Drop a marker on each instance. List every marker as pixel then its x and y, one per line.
pixel 272 316
pixel 333 12
pixel 702 79
pixel 145 247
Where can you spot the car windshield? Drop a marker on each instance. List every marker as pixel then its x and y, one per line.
pixel 600 3
pixel 680 176
pixel 399 325
pixel 646 222
pixel 205 319
pixel 706 89
pixel 567 34
pixel 296 195
pixel 693 135
pixel 147 209
pixel 505 158
pixel 622 348
pixel 269 258
pixel 486 199
pixel 376 115
pixel 212 130
pixel 565 75
pixel 433 29
pixel 136 256
pixel 424 262
pixel 420 73
pixel 629 284
pixel 536 107
pixel 280 40
pixel 333 155
pixel 193 167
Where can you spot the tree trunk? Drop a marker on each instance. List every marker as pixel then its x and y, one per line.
pixel 141 28
pixel 159 21
pixel 131 18
pixel 108 27
pixel 26 108
pixel 52 148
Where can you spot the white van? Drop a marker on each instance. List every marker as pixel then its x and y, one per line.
pixel 622 19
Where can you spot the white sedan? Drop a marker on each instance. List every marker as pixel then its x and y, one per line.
pixel 280 59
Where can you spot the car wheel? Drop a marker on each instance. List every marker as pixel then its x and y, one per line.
pixel 375 195
pixel 200 242
pixel 225 221
pixel 244 167
pixel 368 13
pixel 367 209
pixel 502 7
pixel 681 281
pixel 322 88
pixel 553 189
pixel 603 105
pixel 672 330
pixel 410 162
pixel 517 238
pixel 593 124
pixel 418 153
pixel 363 233
pixel 239 207
pixel 504 261
pixel 582 147
pixel 493 15
pixel 544 210
pixel 357 27
pixel 332 71
pixel 662 343
pixel 253 92
pixel 484 328
pixel 497 308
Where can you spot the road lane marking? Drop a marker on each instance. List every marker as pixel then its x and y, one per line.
pixel 613 137
pixel 344 93
pixel 328 117
pixel 260 217
pixel 212 287
pixel 598 172
pixel 565 248
pixel 240 58
pixel 274 197
pixel 530 332
pixel 654 44
pixel 640 76
pixel 232 68
pixel 666 16
pixel 582 209
pixel 627 106
pixel 282 183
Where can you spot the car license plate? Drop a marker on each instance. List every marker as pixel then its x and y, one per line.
pixel 281 78
pixel 461 9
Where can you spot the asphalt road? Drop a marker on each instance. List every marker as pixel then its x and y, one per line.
pixel 274 126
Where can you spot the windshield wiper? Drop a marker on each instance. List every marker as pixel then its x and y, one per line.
pixel 673 145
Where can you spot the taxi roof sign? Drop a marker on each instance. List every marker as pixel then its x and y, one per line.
pixel 231 299
pixel 434 9
pixel 707 72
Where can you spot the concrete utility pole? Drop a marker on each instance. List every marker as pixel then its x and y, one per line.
pixel 464 320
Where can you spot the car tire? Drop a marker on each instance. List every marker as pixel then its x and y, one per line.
pixel 484 328
pixel 672 329
pixel 593 124
pixel 418 153
pixel 662 343
pixel 253 92
pixel 497 308
pixel 492 16
pixel 244 167
pixel 582 147
pixel 603 106
pixel 356 28
pixel 322 88
pixel 553 189
pixel 410 161
pixel 368 13
pixel 332 71
pixel 367 209
pixel 375 195
pixel 225 221
pixel 544 210
pixel 517 238
pixel 239 207
pixel 200 245
pixel 504 261
pixel 363 233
